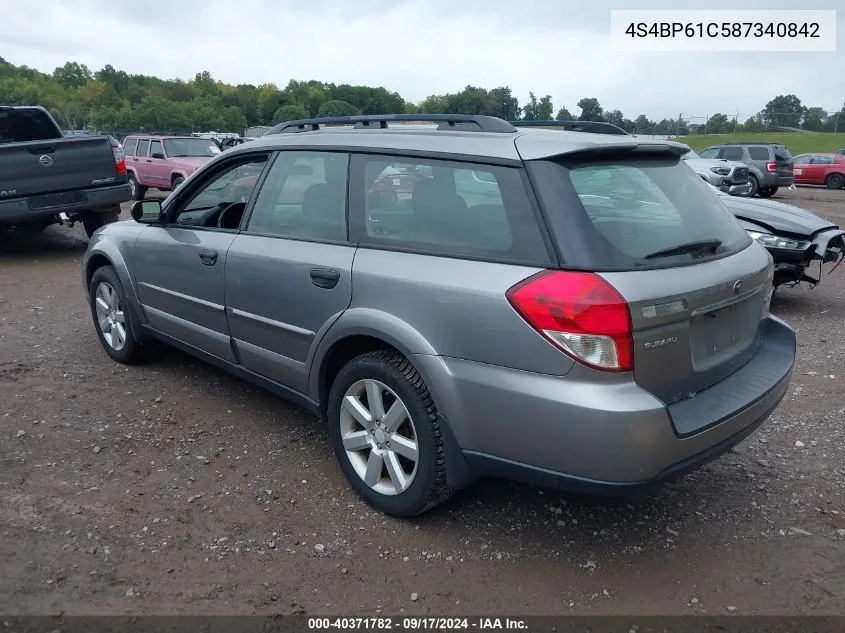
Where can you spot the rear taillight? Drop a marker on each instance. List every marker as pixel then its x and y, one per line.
pixel 580 313
pixel 771 167
pixel 119 157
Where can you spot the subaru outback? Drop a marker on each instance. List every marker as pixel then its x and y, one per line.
pixel 570 309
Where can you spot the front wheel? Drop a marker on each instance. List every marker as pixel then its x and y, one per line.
pixel 92 221
pixel 385 431
pixel 767 192
pixel 835 181
pixel 112 316
pixel 755 187
pixel 178 180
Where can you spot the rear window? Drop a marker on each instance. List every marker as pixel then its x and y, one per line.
pixel 635 214
pixel 758 153
pixel 18 126
pixel 781 153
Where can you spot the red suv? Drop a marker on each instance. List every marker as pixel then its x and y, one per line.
pixel 819 169
pixel 163 162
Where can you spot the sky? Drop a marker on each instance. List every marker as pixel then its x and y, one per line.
pixel 420 47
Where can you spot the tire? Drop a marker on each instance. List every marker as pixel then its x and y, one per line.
pixel 835 181
pixel 394 378
pixel 91 221
pixel 177 180
pixel 136 191
pixel 767 192
pixel 129 351
pixel 755 186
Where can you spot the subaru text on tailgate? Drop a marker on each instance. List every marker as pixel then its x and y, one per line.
pixel 47 178
pixel 566 308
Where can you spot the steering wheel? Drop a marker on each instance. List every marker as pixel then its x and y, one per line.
pixel 227 212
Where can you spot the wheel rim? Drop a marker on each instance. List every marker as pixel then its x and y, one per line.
pixel 379 437
pixel 110 316
pixel 132 187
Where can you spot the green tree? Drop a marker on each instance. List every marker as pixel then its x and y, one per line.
pixel 785 110
pixel 545 108
pixel 336 107
pixel 615 117
pixel 564 115
pixel 590 109
pixel 814 119
pixel 718 124
pixel 530 110
pixel 290 113
pixel 503 104
pixel 642 125
pixel 72 75
pixel 435 104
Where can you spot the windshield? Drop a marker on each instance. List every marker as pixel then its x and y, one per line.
pixel 633 209
pixel 691 155
pixel 190 147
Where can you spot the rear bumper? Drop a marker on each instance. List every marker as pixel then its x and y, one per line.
pixel 34 208
pixel 600 437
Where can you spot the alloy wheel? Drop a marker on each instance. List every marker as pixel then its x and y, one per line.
pixel 379 437
pixel 110 316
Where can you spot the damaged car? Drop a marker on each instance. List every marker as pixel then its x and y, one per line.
pixel 797 239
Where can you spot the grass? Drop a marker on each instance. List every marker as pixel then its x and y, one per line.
pixel 796 143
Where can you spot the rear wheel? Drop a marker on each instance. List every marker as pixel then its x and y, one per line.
pixel 112 316
pixel 384 428
pixel 136 191
pixel 767 192
pixel 835 181
pixel 91 221
pixel 177 180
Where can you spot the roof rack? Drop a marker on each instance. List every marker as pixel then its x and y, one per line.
pixel 462 122
pixel 593 127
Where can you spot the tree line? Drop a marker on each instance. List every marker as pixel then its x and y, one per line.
pixel 111 100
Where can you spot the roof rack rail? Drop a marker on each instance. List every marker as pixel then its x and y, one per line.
pixel 462 122
pixel 593 127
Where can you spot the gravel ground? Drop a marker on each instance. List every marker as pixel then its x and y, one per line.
pixel 171 487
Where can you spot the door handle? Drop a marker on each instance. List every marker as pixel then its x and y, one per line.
pixel 325 277
pixel 149 160
pixel 208 257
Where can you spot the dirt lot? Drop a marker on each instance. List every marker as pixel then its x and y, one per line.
pixel 171 487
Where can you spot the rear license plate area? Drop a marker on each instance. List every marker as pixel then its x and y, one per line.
pixel 725 330
pixel 62 199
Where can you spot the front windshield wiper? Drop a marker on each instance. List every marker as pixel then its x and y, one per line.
pixel 690 248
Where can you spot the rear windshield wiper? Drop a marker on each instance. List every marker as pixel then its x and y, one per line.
pixel 691 248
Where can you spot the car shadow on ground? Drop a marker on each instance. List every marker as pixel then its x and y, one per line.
pixel 52 241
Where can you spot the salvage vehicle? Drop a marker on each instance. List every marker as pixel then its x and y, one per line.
pixel 571 309
pixel 728 176
pixel 163 162
pixel 49 178
pixel 770 164
pixel 796 238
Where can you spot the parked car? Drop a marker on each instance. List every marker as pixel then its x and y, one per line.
pixel 164 162
pixel 232 141
pixel 728 176
pixel 49 178
pixel 819 169
pixel 795 237
pixel 465 331
pixel 770 164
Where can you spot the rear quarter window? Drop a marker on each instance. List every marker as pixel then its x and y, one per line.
pixel 129 146
pixel 781 153
pixel 621 214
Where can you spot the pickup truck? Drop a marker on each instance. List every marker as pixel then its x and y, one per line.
pixel 49 178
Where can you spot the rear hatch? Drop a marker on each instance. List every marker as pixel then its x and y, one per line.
pixel 696 285
pixel 783 161
pixel 35 160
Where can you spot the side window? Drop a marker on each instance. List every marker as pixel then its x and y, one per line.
pixel 821 160
pixel 758 153
pixel 156 148
pixel 731 153
pixel 449 207
pixel 129 146
pixel 710 152
pixel 221 200
pixel 143 146
pixel 802 160
pixel 303 196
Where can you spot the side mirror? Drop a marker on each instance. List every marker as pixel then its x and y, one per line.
pixel 158 155
pixel 146 211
